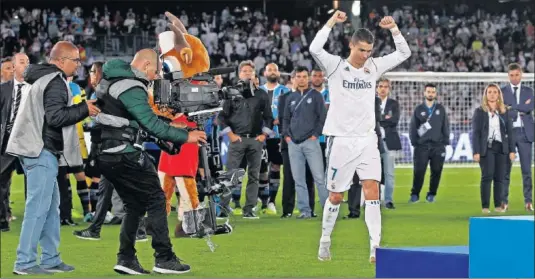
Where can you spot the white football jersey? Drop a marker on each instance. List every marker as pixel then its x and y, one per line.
pixel 352 91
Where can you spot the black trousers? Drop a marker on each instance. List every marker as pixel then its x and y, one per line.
pixel 135 178
pixel 65 194
pixel 354 196
pixel 8 165
pixel 288 186
pixel 525 151
pixel 105 192
pixel 493 169
pixel 435 156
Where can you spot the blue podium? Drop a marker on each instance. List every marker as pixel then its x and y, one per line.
pixel 502 247
pixel 422 262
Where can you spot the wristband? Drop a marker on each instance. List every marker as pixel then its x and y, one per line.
pixel 394 29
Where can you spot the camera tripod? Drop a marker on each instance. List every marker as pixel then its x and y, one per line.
pixel 212 186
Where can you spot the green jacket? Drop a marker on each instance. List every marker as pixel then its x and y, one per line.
pixel 136 102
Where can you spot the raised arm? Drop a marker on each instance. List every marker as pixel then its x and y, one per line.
pixel 324 59
pixel 402 52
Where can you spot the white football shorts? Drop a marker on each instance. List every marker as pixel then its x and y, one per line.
pixel 345 155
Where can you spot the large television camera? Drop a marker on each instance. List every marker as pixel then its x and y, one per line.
pixel 200 92
pixel 192 96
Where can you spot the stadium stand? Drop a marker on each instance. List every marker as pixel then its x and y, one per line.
pixel 462 40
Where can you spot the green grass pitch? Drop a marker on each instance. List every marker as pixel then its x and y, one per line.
pixel 271 247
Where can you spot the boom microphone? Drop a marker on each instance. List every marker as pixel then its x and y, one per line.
pixel 221 71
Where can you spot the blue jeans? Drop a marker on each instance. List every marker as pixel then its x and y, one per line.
pixel 41 223
pixel 309 152
pixel 388 165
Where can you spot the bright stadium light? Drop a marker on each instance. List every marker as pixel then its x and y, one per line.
pixel 355 9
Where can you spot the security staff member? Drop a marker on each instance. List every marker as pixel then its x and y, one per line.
pixel 493 141
pixel 247 122
pixel 429 134
pixel 355 191
pixel 123 94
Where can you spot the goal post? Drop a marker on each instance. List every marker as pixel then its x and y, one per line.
pixel 459 93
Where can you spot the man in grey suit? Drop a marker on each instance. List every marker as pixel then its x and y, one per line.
pixel 520 98
pixel 10 96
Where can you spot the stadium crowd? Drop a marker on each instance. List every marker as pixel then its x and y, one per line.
pixel 460 41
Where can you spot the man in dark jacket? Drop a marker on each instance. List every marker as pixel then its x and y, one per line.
pixel 303 121
pixel 123 98
pixel 390 113
pixel 10 97
pixel 46 119
pixel 288 182
pixel 247 123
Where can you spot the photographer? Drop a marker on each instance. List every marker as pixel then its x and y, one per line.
pixel 247 121
pixel 123 94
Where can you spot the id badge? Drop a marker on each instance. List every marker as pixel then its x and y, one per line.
pixel 424 128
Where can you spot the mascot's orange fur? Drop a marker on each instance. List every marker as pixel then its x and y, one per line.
pixel 187 54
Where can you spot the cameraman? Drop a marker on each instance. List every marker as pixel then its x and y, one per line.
pixel 247 121
pixel 123 94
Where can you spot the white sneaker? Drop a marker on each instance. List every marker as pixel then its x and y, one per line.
pixel 271 209
pixel 372 254
pixel 108 218
pixel 324 253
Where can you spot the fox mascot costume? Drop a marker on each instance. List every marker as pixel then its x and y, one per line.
pixel 180 52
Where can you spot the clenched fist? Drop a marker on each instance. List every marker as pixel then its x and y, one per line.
pixel 339 17
pixel 387 22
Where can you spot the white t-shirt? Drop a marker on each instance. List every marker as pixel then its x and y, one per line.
pixel 352 91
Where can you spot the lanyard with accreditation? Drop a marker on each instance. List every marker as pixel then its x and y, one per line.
pixel 302 98
pixel 424 128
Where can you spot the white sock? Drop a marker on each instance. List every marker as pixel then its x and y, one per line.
pixel 373 221
pixel 330 213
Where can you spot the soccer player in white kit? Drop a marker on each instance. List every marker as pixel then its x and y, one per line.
pixel 352 142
